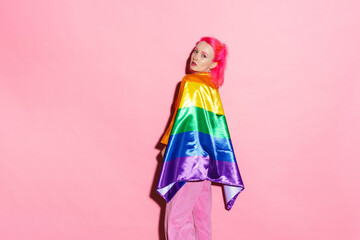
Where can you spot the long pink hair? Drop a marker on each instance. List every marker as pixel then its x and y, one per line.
pixel 220 50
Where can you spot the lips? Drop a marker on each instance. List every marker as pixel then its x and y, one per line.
pixel 193 64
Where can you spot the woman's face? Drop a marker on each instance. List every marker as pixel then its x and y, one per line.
pixel 202 58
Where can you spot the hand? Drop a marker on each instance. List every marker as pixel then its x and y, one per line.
pixel 163 151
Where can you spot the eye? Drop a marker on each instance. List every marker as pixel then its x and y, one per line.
pixel 195 51
pixel 204 56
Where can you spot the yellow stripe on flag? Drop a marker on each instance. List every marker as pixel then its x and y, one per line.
pixel 202 96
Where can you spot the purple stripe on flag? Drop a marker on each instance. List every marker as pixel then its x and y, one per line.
pixel 194 168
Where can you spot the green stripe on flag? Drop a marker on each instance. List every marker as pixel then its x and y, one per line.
pixel 190 119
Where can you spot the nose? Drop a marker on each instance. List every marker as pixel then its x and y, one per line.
pixel 195 56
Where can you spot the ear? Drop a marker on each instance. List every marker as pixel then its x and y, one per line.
pixel 214 64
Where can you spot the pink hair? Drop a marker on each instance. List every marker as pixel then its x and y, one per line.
pixel 220 50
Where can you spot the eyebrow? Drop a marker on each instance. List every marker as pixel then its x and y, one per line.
pixel 201 51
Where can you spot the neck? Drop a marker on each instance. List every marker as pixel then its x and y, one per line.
pixel 202 72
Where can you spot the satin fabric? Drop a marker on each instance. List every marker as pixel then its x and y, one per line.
pixel 198 142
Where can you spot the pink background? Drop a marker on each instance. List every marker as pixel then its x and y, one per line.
pixel 86 89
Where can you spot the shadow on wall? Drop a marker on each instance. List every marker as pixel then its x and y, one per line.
pixel 153 193
pixel 157 198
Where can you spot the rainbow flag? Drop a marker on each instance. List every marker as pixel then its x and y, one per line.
pixel 198 142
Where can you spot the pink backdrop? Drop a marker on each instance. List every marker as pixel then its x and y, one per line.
pixel 86 89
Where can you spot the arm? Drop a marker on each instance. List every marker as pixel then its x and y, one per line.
pixel 163 151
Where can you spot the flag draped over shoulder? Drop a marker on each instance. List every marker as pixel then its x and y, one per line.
pixel 198 142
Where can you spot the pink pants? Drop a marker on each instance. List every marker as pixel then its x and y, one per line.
pixel 188 214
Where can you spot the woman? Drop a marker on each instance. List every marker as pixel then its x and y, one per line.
pixel 198 147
